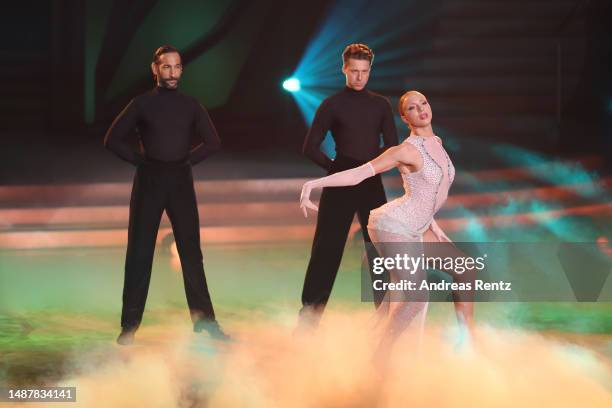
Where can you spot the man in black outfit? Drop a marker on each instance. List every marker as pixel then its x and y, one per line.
pixel 165 120
pixel 356 118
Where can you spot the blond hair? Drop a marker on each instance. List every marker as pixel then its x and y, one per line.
pixel 402 100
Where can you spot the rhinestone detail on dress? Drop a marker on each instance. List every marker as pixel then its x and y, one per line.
pixel 425 191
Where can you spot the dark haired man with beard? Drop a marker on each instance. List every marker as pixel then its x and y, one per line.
pixel 165 120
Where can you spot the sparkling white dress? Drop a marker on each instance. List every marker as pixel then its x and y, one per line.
pixel 425 190
pixel 403 222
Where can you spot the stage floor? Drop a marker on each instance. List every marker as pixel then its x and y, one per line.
pixel 60 308
pixel 62 248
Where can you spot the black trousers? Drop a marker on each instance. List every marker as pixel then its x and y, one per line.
pixel 160 186
pixel 337 208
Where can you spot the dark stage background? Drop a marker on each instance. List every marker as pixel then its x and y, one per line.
pixel 534 74
pixel 521 94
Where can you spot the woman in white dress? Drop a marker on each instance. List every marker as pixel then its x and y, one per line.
pixel 405 225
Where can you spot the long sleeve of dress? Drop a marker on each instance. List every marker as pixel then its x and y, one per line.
pixel 210 142
pixel 117 136
pixel 349 177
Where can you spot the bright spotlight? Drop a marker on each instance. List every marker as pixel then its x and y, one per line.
pixel 292 85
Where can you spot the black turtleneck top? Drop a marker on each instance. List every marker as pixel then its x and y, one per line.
pixel 166 121
pixel 356 119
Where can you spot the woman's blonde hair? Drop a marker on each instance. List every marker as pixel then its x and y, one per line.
pixel 402 100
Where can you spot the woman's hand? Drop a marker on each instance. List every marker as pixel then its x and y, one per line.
pixel 305 202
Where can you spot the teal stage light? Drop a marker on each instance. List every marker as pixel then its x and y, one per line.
pixel 292 85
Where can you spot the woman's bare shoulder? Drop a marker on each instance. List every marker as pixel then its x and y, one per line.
pixel 407 152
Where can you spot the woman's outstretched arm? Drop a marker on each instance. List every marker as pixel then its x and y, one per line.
pixel 403 154
pixel 392 157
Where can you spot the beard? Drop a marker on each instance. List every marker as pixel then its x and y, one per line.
pixel 165 83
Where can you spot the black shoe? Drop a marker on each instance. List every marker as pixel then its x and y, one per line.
pixel 213 329
pixel 126 337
